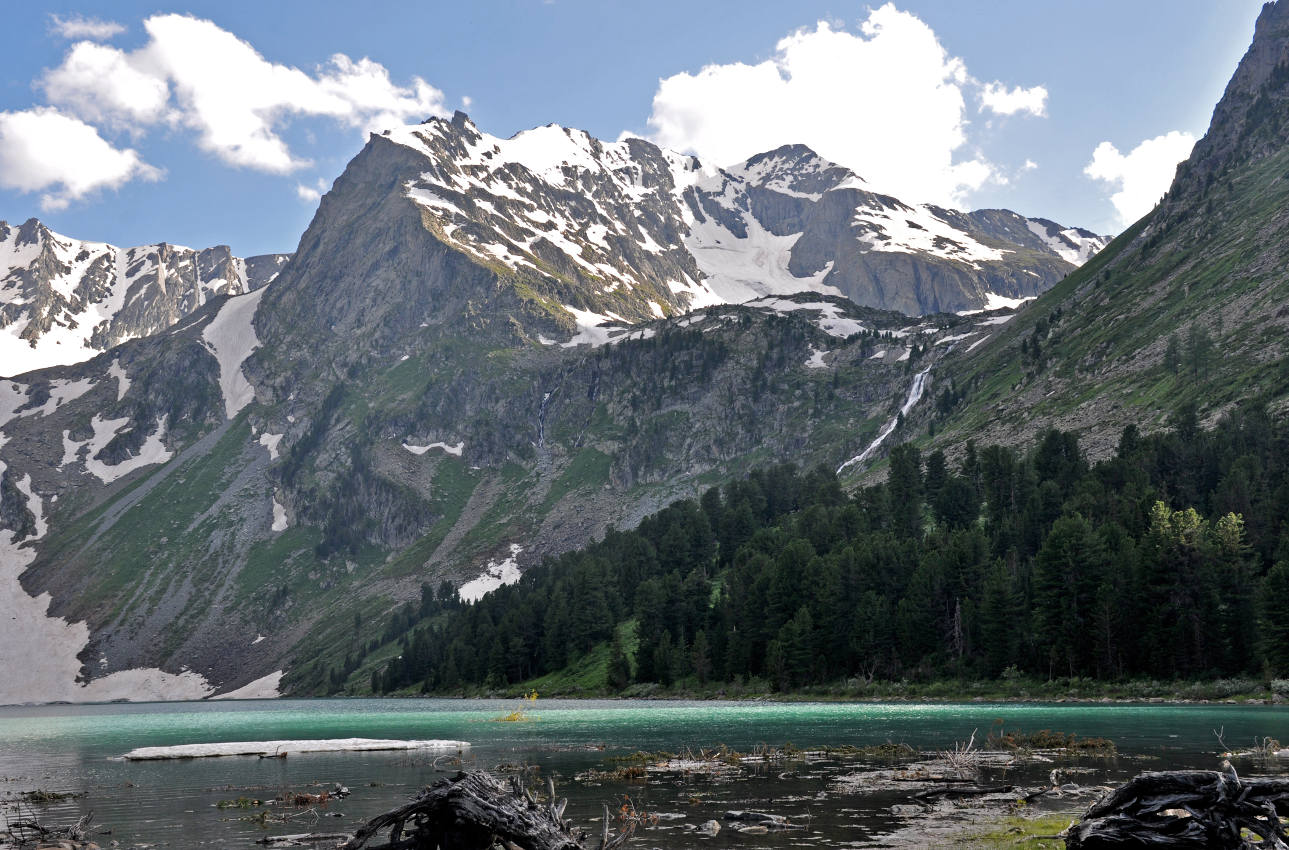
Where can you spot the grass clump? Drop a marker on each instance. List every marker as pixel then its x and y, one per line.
pixel 1045 739
pixel 43 797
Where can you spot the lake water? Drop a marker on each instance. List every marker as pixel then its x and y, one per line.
pixel 77 749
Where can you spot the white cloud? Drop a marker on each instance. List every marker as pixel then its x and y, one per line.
pixel 1142 175
pixel 78 26
pixel 1029 165
pixel 44 150
pixel 194 74
pixel 887 101
pixel 311 194
pixel 100 83
pixel 999 99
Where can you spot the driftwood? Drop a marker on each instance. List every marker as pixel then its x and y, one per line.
pixel 23 832
pixel 1186 808
pixel 302 838
pixel 763 819
pixel 473 811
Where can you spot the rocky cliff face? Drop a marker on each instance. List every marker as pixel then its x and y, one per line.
pixel 64 300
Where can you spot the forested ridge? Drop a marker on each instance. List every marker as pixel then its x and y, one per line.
pixel 1170 560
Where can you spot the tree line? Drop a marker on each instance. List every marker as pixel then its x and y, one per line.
pixel 1169 559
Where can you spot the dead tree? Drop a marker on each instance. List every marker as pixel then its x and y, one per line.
pixel 1186 808
pixel 473 811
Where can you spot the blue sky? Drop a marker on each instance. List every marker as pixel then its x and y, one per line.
pixel 220 126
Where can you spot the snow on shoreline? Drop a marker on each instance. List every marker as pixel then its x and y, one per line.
pixel 255 748
pixel 265 687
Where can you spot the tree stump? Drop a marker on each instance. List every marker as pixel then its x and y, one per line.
pixel 1186 808
pixel 473 811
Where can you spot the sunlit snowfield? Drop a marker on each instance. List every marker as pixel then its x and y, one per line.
pixel 78 749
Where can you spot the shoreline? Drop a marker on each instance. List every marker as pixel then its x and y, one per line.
pixel 791 698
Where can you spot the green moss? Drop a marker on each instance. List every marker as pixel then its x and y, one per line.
pixel 1034 832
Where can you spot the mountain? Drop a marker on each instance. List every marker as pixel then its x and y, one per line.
pixel 64 300
pixel 655 231
pixel 482 352
pixel 1184 311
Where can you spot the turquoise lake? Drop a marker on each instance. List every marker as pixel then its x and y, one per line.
pixel 77 749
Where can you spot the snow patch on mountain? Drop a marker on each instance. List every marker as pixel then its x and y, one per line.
pixel 122 379
pixel 270 442
pixel 885 224
pixel 279 516
pixel 456 449
pixel 830 319
pixel 742 269
pixel 230 336
pixel 152 451
pixel 1072 244
pixel 39 653
pixel 494 575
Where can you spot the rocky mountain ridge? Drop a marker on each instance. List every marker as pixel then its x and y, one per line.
pixel 651 231
pixel 64 300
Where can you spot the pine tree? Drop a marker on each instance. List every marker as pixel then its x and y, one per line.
pixel 904 489
pixel 1067 573
pixel 1274 620
pixel 619 672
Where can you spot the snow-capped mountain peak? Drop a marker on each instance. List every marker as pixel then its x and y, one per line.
pixel 630 230
pixel 64 300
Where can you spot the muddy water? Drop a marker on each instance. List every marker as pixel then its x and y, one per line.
pixel 77 749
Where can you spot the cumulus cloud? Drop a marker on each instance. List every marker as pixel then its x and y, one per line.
pixel 999 99
pixel 77 26
pixel 887 101
pixel 42 150
pixel 1143 174
pixel 192 73
pixel 100 83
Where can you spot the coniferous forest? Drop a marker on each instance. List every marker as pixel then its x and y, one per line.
pixel 1170 559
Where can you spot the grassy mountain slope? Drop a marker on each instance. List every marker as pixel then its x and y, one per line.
pixel 1186 307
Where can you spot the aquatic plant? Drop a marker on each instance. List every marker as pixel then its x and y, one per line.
pixel 521 714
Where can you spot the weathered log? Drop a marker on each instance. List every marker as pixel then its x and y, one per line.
pixel 962 791
pixel 301 838
pixel 1186 808
pixel 472 811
